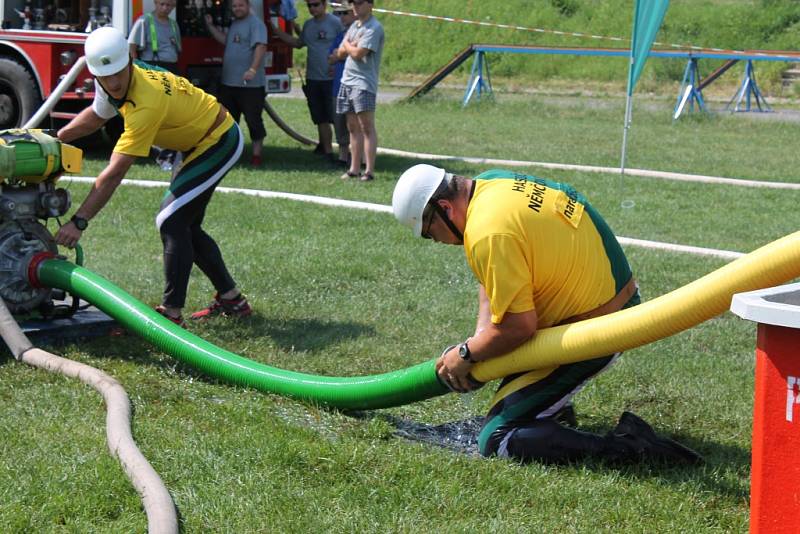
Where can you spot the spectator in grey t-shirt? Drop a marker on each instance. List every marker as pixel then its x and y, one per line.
pixel 156 38
pixel 346 16
pixel 243 77
pixel 362 46
pixel 318 34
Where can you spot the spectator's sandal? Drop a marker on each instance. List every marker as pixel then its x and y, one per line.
pixel 367 177
pixel 349 174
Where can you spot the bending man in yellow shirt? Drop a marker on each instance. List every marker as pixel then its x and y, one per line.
pixel 160 108
pixel 543 256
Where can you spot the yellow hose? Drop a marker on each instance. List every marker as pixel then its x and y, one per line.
pixel 770 265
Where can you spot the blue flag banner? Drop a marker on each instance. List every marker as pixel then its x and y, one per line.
pixel 647 18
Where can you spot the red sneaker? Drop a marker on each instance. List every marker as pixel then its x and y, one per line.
pixel 255 161
pixel 236 307
pixel 177 320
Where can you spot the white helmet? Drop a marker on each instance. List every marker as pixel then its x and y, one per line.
pixel 106 51
pixel 412 192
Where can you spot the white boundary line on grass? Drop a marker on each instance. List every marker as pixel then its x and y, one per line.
pixel 593 168
pixel 353 204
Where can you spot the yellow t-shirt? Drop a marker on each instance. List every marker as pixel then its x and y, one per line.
pixel 538 244
pixel 162 109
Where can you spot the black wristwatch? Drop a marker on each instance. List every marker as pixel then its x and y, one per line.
pixel 464 353
pixel 79 222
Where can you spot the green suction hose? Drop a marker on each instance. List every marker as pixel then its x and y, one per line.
pixel 347 393
pixel 78 255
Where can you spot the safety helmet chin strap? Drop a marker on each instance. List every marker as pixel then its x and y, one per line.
pixel 443 214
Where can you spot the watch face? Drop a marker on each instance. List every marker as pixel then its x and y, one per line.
pixel 80 223
pixel 463 351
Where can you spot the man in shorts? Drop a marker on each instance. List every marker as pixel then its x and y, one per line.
pixel 362 48
pixel 317 35
pixel 243 77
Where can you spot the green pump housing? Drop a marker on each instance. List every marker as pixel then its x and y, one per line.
pixel 32 156
pixel 31 162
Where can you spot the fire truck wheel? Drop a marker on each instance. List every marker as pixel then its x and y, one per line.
pixel 19 97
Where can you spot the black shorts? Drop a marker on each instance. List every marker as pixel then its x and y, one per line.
pixel 319 95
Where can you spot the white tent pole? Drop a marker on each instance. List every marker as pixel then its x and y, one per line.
pixel 627 126
pixel 626 203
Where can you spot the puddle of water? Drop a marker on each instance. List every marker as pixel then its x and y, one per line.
pixel 457 436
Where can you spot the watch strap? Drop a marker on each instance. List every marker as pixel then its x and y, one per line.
pixel 80 223
pixel 464 352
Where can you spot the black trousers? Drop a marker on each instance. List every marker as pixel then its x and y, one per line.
pixel 181 217
pixel 520 426
pixel 247 101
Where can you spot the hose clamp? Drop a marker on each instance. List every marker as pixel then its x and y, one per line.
pixel 33 267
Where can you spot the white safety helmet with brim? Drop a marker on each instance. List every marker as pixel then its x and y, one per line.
pixel 413 191
pixel 107 51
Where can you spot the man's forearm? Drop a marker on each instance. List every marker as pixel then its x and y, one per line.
pixel 87 122
pixel 97 198
pixel 215 33
pixel 258 55
pixel 286 37
pixel 105 185
pixel 355 51
pixel 491 340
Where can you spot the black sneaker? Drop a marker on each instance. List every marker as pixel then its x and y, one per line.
pixel 641 436
pixel 566 416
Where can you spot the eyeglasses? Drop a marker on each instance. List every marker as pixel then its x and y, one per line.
pixel 314 4
pixel 341 13
pixel 427 221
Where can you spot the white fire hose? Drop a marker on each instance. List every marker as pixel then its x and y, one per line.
pixel 158 505
pixel 55 96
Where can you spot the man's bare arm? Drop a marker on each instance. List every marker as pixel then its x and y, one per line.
pixel 87 122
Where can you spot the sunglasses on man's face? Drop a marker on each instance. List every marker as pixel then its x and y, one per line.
pixel 427 220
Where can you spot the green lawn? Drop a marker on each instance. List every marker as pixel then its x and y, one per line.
pixel 346 292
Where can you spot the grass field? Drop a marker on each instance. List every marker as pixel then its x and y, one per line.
pixel 345 292
pixel 417 46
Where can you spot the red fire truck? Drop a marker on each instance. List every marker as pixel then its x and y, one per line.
pixel 40 40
